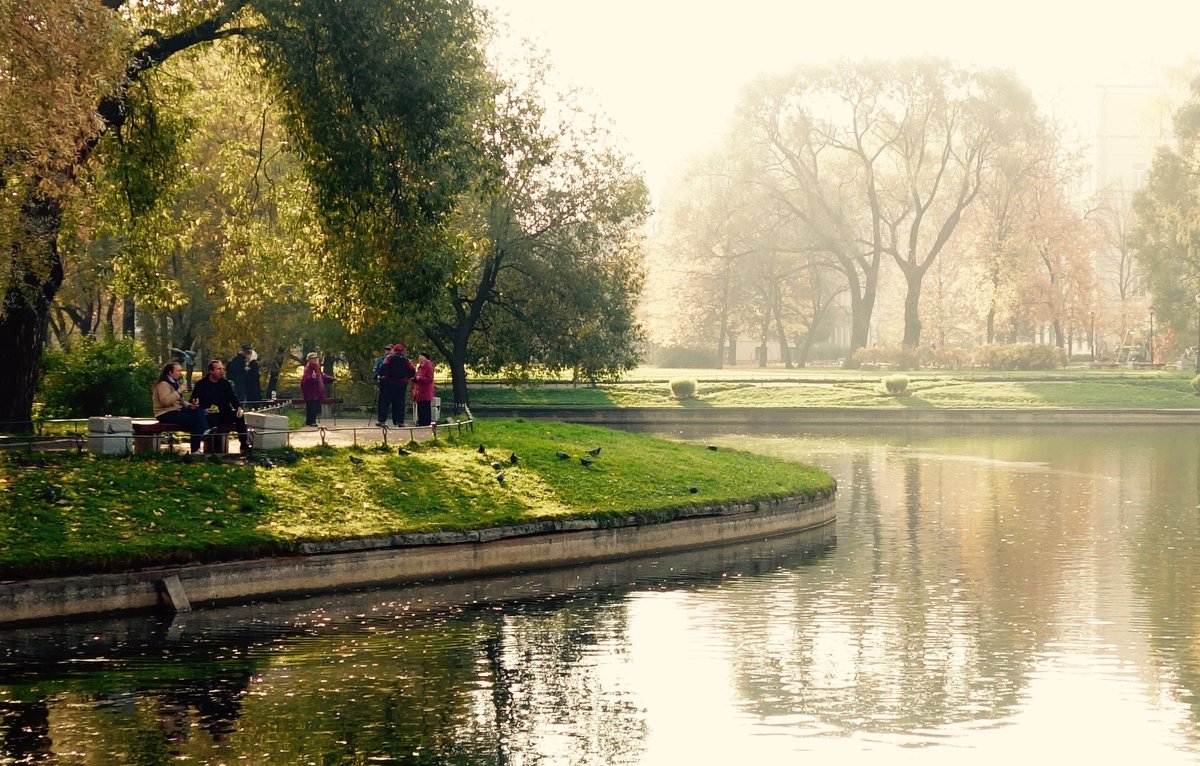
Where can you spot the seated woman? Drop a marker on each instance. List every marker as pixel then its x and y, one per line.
pixel 170 406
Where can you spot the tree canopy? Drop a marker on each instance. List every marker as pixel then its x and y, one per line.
pixel 271 162
pixel 548 269
pixel 1166 232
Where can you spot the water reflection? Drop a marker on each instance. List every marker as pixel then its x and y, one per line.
pixel 508 670
pixel 991 594
pixel 981 574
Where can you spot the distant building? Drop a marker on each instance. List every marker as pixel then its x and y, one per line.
pixel 1118 126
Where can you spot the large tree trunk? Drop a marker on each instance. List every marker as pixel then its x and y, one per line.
pixel 451 343
pixel 912 314
pixel 128 317
pixel 458 383
pixel 723 336
pixel 26 316
pixel 785 351
pixel 861 307
pixel 34 263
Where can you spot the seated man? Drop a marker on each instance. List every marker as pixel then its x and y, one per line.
pixel 214 394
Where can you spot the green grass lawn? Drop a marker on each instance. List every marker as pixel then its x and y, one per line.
pixel 748 387
pixel 65 513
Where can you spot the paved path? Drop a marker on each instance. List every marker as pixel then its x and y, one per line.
pixel 345 432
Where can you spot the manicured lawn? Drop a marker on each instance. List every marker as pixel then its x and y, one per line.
pixel 68 513
pixel 747 387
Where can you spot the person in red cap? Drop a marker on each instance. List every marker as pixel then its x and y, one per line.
pixel 394 375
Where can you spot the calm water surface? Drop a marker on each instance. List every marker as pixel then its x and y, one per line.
pixel 986 595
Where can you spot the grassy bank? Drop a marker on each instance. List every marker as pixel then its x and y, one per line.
pixel 65 513
pixel 744 387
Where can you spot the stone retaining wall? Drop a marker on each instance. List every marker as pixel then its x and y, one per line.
pixel 767 417
pixel 407 559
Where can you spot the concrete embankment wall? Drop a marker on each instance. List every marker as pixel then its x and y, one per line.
pixel 766 418
pixel 407 559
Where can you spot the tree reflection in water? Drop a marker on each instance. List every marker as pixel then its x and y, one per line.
pixel 986 587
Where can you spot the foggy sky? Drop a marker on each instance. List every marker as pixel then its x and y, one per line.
pixel 668 72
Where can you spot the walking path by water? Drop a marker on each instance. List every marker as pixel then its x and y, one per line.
pixel 347 432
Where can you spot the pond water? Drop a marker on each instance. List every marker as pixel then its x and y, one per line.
pixel 986 595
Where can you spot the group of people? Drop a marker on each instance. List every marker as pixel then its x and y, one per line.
pixel 215 402
pixel 212 404
pixel 393 371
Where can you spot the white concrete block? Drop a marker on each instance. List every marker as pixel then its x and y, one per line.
pixel 270 431
pixel 110 435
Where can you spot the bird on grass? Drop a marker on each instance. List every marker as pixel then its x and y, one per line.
pixel 513 458
pixel 594 452
pixel 50 492
pixel 562 455
pixel 482 450
pixel 693 490
pixel 265 462
pixel 356 460
pixel 289 457
pixel 495 466
pixel 712 447
pixel 214 458
pixel 585 462
pixel 401 451
pixel 500 476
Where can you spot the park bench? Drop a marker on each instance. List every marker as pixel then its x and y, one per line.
pixel 147 435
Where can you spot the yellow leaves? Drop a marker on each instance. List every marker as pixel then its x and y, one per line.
pixel 62 61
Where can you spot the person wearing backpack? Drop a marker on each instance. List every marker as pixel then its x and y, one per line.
pixel 395 373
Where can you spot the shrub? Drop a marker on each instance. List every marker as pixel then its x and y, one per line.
pixel 1020 356
pixel 683 388
pixel 943 357
pixel 110 376
pixel 896 384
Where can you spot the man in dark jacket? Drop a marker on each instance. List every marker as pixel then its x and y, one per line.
pixel 236 371
pixel 395 373
pixel 215 395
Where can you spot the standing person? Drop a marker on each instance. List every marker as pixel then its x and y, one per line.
pixel 312 388
pixel 253 381
pixel 236 371
pixel 214 394
pixel 397 370
pixel 170 407
pixel 423 389
pixel 378 375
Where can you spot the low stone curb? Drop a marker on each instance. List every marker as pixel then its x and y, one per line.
pixel 768 417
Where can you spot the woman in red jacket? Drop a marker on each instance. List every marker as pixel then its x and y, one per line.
pixel 312 388
pixel 422 390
